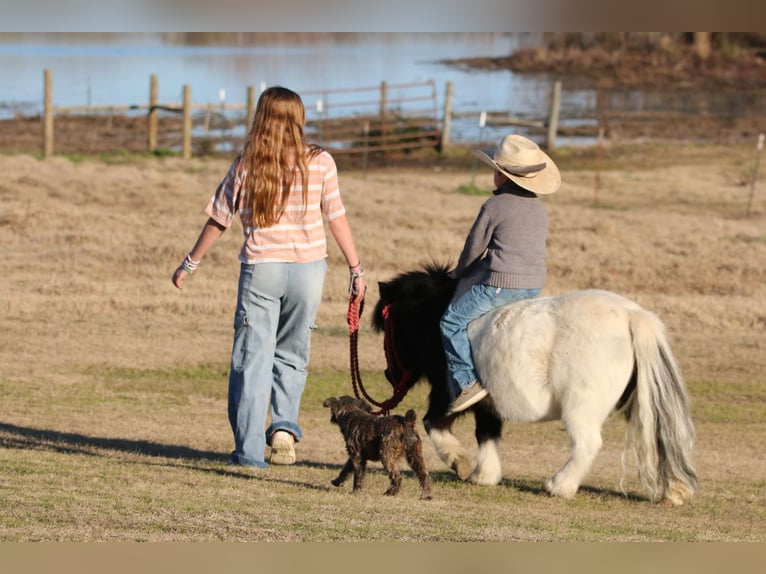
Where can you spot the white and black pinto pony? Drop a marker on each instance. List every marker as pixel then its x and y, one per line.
pixel 576 358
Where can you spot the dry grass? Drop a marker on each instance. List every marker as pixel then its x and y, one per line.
pixel 113 383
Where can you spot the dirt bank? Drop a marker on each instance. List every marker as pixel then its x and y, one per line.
pixel 600 68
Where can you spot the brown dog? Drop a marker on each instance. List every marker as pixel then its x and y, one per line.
pixel 370 437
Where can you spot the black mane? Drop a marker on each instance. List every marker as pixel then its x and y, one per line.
pixel 425 293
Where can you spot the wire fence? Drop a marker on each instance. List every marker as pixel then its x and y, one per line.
pixel 380 119
pixel 373 120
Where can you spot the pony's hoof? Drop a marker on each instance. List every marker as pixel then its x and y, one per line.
pixel 485 479
pixel 678 493
pixel 463 467
pixel 560 490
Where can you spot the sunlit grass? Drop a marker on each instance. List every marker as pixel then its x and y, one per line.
pixel 114 384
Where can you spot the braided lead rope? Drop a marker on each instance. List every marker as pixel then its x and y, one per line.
pixel 400 389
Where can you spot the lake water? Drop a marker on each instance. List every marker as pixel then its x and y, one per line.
pixel 114 69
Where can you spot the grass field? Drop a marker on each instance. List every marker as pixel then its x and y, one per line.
pixel 113 383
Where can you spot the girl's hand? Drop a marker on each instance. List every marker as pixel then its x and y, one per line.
pixel 358 288
pixel 187 267
pixel 179 276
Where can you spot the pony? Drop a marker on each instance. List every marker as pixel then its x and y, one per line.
pixel 576 357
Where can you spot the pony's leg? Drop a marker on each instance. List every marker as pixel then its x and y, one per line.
pixel 489 429
pixel 488 470
pixel 584 444
pixel 448 447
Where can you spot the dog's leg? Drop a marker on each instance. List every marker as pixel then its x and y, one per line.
pixel 391 464
pixel 418 465
pixel 360 466
pixel 344 472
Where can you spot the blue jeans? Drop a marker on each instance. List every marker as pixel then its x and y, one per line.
pixel 277 304
pixel 470 305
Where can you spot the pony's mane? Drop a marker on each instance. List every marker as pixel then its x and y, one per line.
pixel 429 286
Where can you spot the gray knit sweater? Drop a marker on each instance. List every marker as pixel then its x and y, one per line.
pixel 512 226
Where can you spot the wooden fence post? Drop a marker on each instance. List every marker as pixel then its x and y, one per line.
pixel 186 152
pixel 599 154
pixel 758 150
pixel 446 118
pixel 322 117
pixel 366 143
pixel 206 121
pixel 250 107
pixel 152 121
pixel 553 121
pixel 47 113
pixel 383 106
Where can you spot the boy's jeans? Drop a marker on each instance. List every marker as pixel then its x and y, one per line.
pixel 472 304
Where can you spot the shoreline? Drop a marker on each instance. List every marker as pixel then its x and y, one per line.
pixel 626 69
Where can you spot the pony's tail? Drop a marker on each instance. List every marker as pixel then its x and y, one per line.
pixel 660 426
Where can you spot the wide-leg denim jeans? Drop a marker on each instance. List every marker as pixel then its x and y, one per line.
pixel 277 304
pixel 470 305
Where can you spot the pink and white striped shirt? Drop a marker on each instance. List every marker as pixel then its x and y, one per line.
pixel 299 235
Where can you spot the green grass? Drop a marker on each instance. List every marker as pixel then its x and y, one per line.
pixel 471 189
pixel 737 402
pixel 139 454
pixel 607 206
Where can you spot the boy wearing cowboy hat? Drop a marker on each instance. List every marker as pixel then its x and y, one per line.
pixel 504 254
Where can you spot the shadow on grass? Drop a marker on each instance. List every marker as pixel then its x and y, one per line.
pixel 535 487
pixel 13 436
pixel 26 438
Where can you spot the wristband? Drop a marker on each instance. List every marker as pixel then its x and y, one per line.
pixel 189 265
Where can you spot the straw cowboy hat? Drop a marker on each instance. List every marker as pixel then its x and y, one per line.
pixel 521 160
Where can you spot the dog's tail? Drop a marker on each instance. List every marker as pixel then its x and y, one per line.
pixel 410 417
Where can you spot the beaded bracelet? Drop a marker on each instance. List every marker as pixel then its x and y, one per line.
pixel 189 265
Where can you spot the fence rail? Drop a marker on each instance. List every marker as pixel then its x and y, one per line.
pixel 359 120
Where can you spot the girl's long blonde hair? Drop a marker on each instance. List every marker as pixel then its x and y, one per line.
pixel 274 151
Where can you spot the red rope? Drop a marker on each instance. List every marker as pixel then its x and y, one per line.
pixel 400 389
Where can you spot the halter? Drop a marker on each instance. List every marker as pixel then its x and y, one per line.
pixel 402 386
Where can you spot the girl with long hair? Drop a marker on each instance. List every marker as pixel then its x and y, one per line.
pixel 282 189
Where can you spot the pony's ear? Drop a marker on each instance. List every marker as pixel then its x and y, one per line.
pixel 383 289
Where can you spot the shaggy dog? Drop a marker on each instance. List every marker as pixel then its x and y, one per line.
pixel 383 438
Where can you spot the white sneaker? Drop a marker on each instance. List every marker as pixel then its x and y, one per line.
pixel 282 449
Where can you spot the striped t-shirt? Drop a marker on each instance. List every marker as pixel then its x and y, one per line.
pixel 299 235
